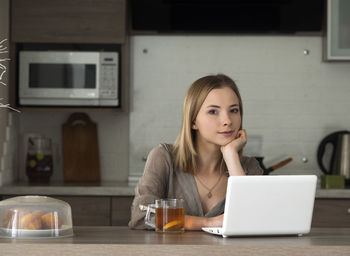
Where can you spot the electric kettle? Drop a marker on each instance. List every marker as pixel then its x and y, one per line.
pixel 339 163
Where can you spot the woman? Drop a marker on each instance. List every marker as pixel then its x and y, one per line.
pixel 207 150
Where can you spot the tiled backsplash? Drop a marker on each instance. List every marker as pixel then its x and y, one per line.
pixel 291 100
pixel 113 137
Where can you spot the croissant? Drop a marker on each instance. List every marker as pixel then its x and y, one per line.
pixel 25 219
pixel 50 220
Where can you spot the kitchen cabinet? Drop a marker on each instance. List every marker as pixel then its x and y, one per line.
pixel 337 41
pixel 71 25
pixel 89 211
pixel 98 210
pixel 331 213
pixel 120 212
pixel 68 21
pixel 116 210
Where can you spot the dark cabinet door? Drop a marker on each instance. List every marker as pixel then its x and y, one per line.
pixel 89 210
pixel 68 21
pixel 331 213
pixel 121 206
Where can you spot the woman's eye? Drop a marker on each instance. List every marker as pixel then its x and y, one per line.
pixel 235 110
pixel 212 111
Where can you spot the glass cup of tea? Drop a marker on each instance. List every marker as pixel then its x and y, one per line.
pixel 166 215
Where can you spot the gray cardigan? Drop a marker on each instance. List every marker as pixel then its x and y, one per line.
pixel 161 180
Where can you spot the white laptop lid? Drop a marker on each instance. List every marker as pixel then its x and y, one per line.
pixel 269 205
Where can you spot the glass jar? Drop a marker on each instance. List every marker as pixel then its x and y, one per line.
pixel 39 160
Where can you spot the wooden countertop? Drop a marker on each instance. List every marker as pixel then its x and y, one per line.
pixel 123 241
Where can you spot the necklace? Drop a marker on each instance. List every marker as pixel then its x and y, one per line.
pixel 209 195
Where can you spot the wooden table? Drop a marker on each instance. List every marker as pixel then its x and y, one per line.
pixel 123 241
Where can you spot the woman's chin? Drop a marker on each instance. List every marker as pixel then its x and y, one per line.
pixel 222 144
pixel 225 141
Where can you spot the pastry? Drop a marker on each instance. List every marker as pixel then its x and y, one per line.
pixel 23 218
pixel 35 224
pixel 7 220
pixel 38 213
pixel 13 215
pixel 25 221
pixel 50 220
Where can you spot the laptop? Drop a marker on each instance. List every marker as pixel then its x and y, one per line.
pixel 267 205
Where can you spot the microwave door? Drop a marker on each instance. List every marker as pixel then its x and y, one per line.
pixel 61 84
pixel 63 79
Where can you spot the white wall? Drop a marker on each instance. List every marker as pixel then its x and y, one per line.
pixel 290 100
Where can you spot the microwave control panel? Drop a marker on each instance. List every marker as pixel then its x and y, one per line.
pixel 109 75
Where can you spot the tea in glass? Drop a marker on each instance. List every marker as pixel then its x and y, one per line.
pixel 170 215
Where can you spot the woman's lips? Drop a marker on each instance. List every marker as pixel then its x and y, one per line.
pixel 226 133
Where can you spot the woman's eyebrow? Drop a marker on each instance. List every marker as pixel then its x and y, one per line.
pixel 216 106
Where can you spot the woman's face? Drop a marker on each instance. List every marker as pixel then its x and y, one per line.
pixel 219 118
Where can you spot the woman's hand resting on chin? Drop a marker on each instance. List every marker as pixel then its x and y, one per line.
pixel 235 145
pixel 230 153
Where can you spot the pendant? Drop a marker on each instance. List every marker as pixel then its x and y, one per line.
pixel 209 195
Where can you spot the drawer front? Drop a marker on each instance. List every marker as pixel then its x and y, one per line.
pixel 121 206
pixel 332 213
pixel 89 211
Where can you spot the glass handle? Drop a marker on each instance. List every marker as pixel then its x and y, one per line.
pixel 149 214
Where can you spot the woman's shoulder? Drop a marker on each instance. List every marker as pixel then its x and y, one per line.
pixel 251 166
pixel 161 151
pixel 162 148
pixel 159 162
pixel 245 158
pixel 168 147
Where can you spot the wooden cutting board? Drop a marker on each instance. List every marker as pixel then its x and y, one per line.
pixel 81 161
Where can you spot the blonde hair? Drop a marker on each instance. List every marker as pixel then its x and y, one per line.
pixel 184 150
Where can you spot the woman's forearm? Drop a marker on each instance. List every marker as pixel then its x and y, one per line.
pixel 234 166
pixel 196 223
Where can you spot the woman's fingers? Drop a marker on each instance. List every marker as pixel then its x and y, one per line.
pixel 241 134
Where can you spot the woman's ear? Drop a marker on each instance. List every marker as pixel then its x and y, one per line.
pixel 194 126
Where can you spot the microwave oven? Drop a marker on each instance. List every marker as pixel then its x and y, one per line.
pixel 68 78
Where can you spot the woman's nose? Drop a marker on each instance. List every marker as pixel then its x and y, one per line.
pixel 226 120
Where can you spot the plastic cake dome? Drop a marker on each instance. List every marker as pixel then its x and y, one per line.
pixel 35 217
